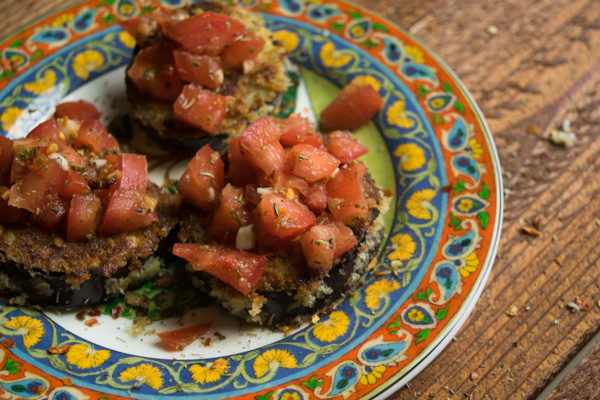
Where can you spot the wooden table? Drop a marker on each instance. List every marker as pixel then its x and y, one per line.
pixel 530 64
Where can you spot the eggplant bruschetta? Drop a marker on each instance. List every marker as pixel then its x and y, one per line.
pixel 79 220
pixel 288 228
pixel 203 70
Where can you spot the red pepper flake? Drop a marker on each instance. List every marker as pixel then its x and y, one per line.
pixel 91 322
pixel 81 315
pixel 8 343
pixel 59 350
pixel 446 189
pixel 66 381
pixel 116 312
pixel 94 312
pixel 582 304
pixel 207 342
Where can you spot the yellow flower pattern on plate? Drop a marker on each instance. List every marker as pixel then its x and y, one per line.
pixel 332 328
pixel 84 356
pixel 418 204
pixel 333 58
pixel 396 115
pixel 42 85
pixel 471 263
pixel 289 39
pixel 368 80
pixel 372 377
pixel 211 372
pixel 415 54
pixel 31 329
pixel 271 360
pixel 127 39
pixel 87 61
pixel 378 291
pixel 9 116
pixel 143 373
pixel 404 247
pixel 412 157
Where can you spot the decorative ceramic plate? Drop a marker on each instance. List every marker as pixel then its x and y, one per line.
pixel 430 145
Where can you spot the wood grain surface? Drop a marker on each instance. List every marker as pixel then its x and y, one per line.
pixel 530 65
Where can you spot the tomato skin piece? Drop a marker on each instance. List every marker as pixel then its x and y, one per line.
pixel 283 181
pixel 199 69
pixel 24 153
pixel 9 213
pixel 49 131
pixel 311 163
pixel 318 246
pixel 72 157
pixel 345 146
pixel 206 33
pixel 203 179
pixel 240 170
pixel 316 197
pixel 344 239
pixel 88 135
pixel 232 214
pixel 6 149
pixel 259 143
pixel 179 339
pixel 154 72
pixel 125 212
pixel 239 269
pixel 282 218
pixel 245 49
pixel 51 214
pixel 354 106
pixel 134 172
pixel 78 110
pixel 84 217
pixel 297 129
pixel 201 108
pixel 345 197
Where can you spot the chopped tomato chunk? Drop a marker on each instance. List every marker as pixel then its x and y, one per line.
pixel 179 339
pixel 84 216
pixel 344 238
pixel 6 148
pixel 245 49
pixel 345 146
pixel 79 110
pixel 203 179
pixel 127 210
pixel 240 170
pixel 10 213
pixel 206 33
pixel 201 108
pixel 239 269
pixel 51 214
pixel 199 69
pixel 89 135
pixel 49 131
pixel 354 106
pixel 345 197
pixel 134 172
pixel 318 246
pixel 311 163
pixel 232 214
pixel 282 218
pixel 154 72
pixel 316 197
pixel 283 181
pixel 296 129
pixel 259 143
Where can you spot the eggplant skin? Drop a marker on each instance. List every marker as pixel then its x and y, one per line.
pixel 39 268
pixel 289 290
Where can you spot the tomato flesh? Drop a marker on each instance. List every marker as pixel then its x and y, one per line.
pixel 259 143
pixel 345 197
pixel 345 146
pixel 239 269
pixel 206 33
pixel 281 217
pixel 201 108
pixel 232 213
pixel 134 172
pixel 297 129
pixel 79 110
pixel 316 197
pixel 88 135
pixel 344 239
pixel 354 106
pixel 179 339
pixel 6 148
pixel 51 214
pixel 49 131
pixel 311 163
pixel 240 169
pixel 154 72
pixel 245 49
pixel 9 213
pixel 83 218
pixel 125 212
pixel 203 179
pixel 199 69
pixel 318 246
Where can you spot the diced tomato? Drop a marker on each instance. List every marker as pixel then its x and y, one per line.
pixel 318 246
pixel 69 128
pixel 133 25
pixel 355 105
pixel 179 339
pixel 74 183
pixel 78 110
pixel 206 33
pixel 344 238
pixel 282 218
pixel 84 217
pixel 201 108
pixel 88 135
pixel 72 157
pixel 240 170
pixel 25 151
pixel 345 146
pixel 109 143
pixel 59 177
pixel 49 131
pixel 10 213
pixel 233 213
pixel 345 197
pixel 127 210
pixel 316 197
pixel 240 269
pixel 251 194
pixel 33 190
pixel 6 148
pixel 245 49
pixel 200 69
pixel 311 163
pixel 283 181
pixel 134 172
pixel 203 179
pixel 154 72
pixel 259 143
pixel 296 129
pixel 51 214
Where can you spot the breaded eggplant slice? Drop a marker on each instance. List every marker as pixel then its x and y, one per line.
pixel 256 91
pixel 41 269
pixel 288 289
